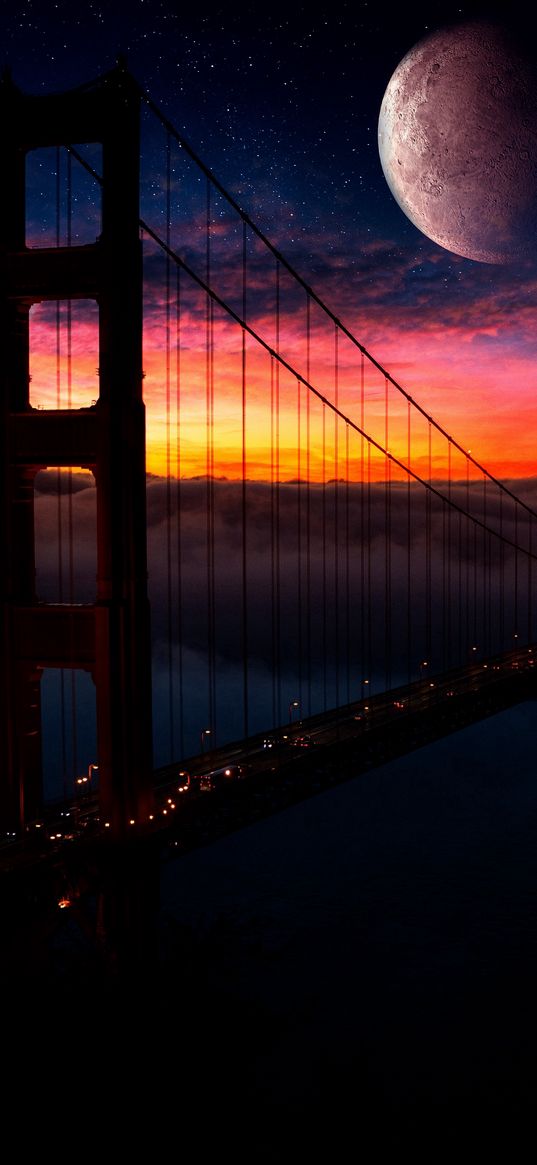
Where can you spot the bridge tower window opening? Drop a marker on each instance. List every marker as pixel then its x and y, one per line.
pixel 63 198
pixel 68 734
pixel 65 513
pixel 64 354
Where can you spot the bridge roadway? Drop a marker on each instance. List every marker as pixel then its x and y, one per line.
pixel 273 770
pixel 212 794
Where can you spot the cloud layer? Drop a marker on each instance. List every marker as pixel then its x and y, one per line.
pixel 322 586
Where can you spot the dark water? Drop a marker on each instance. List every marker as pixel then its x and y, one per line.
pixel 353 978
pixel 369 957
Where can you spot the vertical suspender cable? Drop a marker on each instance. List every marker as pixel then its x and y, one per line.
pixel 530 584
pixel 169 644
pixel 308 505
pixel 467 551
pixel 408 550
pixel 347 569
pixel 63 734
pixel 277 510
pixel 484 575
pixel 428 605
pixel 369 652
pixel 336 518
pixel 273 619
pixel 502 579
pixel 444 585
pixel 209 406
pixel 323 522
pixel 387 549
pixel 515 604
pixel 299 545
pixel 449 620
pixel 74 725
pixel 461 655
pixel 243 505
pixel 179 565
pixel 363 667
pixel 475 637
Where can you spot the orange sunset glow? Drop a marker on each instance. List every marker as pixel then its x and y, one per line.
pixel 488 403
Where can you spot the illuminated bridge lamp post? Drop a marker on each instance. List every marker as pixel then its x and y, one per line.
pixel 293 704
pixel 86 780
pixel 424 663
pixel 205 732
pixel 365 690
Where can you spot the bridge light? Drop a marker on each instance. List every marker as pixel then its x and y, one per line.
pixel 293 704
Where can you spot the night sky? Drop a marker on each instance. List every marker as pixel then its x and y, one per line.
pixel 283 107
pixel 282 104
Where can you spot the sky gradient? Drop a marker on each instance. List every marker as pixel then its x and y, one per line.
pixel 284 110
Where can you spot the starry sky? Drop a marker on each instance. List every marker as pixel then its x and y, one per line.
pixel 283 106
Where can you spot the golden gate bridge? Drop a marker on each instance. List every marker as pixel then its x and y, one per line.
pixel 327 568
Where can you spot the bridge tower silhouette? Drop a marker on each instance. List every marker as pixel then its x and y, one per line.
pixel 109 638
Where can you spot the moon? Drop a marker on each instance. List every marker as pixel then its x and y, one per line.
pixel 458 142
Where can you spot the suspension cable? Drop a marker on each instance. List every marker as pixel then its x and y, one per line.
pixel 170 128
pixel 372 442
pixel 316 299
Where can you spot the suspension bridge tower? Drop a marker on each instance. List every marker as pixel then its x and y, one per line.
pixel 109 638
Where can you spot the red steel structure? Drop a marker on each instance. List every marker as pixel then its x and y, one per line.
pixel 110 637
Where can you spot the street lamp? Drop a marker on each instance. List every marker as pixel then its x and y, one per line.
pixel 294 704
pixel 423 664
pixel 86 780
pixel 205 732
